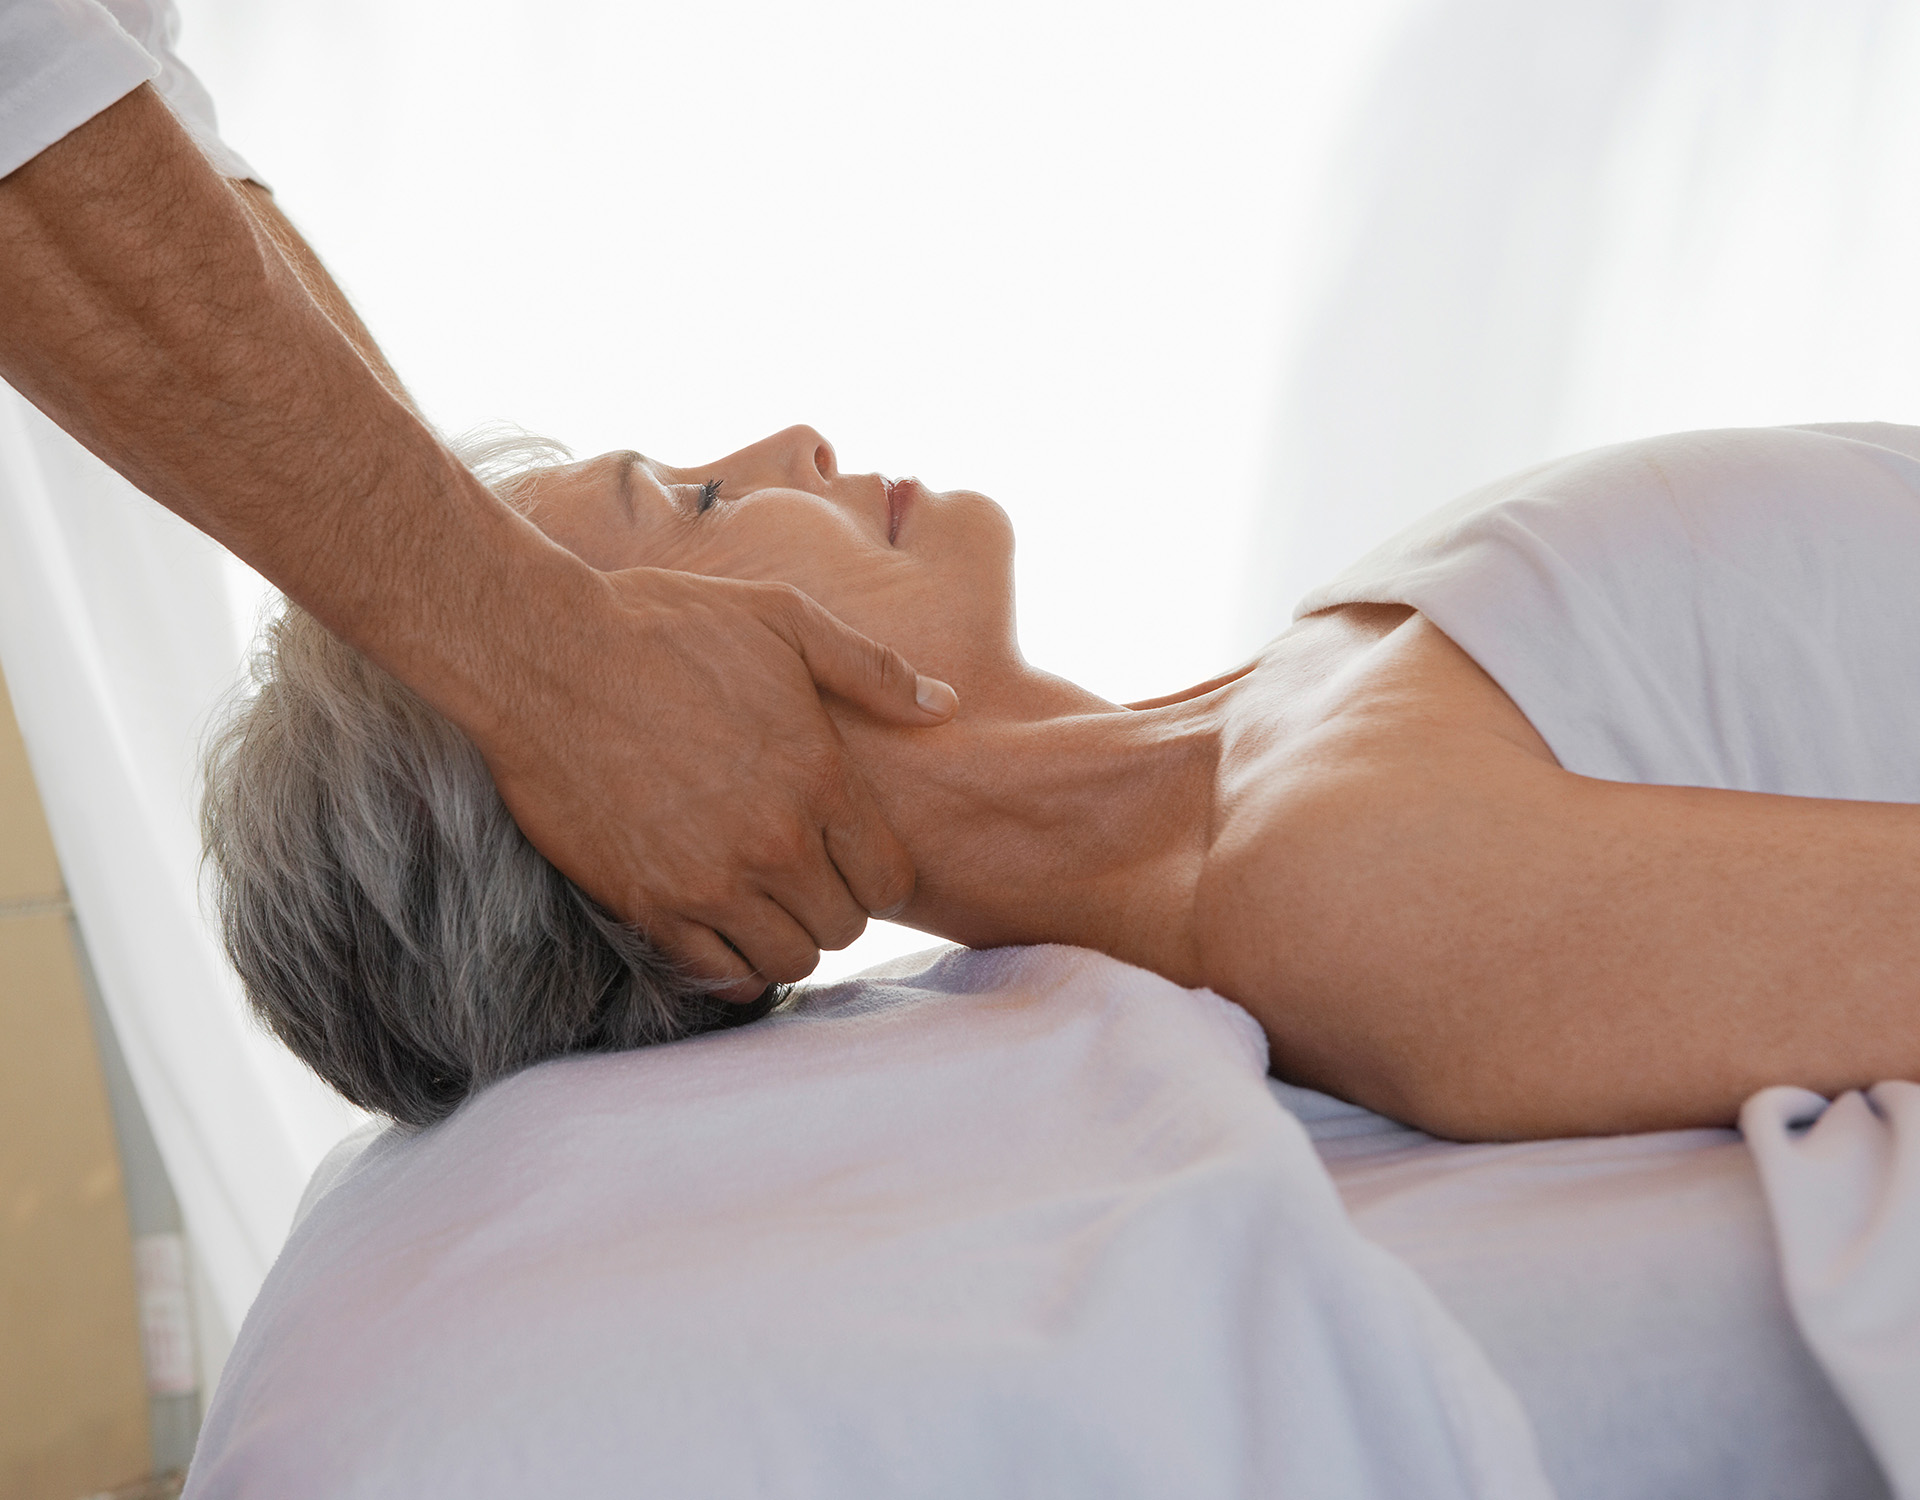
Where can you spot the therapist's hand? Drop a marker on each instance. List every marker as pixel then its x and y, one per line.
pixel 669 752
pixel 659 736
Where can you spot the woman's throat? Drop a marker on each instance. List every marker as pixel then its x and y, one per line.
pixel 1085 828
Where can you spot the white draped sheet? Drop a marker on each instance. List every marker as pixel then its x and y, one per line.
pixel 1843 1184
pixel 119 633
pixel 1019 1222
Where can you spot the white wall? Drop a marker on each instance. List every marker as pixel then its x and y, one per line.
pixel 1557 226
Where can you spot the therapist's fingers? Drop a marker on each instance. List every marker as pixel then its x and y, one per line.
pixel 827 904
pixel 858 668
pixel 873 863
pixel 702 953
pixel 778 947
pixel 678 765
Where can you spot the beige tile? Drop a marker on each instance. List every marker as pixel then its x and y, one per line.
pixel 28 868
pixel 73 1410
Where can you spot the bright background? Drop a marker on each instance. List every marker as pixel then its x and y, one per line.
pixel 1211 296
pixel 1208 295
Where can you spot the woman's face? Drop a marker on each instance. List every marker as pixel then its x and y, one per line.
pixel 927 573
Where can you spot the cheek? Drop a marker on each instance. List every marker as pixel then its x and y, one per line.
pixel 867 585
pixel 947 605
pixel 949 609
pixel 814 549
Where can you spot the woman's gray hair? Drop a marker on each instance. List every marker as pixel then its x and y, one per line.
pixel 390 922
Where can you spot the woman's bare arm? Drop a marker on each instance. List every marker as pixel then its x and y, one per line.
pixel 1470 938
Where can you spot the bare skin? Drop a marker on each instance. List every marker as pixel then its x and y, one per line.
pixel 179 327
pixel 1357 836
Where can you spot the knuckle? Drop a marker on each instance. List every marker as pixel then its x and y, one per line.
pixel 845 930
pixel 790 964
pixel 823 778
pixel 893 887
pixel 883 661
pixel 782 601
pixel 781 846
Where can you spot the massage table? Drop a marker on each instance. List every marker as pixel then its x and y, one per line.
pixel 1011 1223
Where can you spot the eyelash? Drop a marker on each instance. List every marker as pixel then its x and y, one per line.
pixel 709 492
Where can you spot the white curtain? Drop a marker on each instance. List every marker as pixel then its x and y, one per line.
pixel 1556 226
pixel 119 632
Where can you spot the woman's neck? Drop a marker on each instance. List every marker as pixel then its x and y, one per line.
pixel 1044 814
pixel 1052 816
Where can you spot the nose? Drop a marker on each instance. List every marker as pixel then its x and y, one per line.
pixel 798 458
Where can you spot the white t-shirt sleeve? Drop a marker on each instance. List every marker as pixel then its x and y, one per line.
pixel 63 61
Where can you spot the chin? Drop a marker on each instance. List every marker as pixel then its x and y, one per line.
pixel 990 528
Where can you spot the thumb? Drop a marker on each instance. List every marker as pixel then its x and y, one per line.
pixel 858 668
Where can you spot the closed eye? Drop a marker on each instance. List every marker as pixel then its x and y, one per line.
pixel 709 493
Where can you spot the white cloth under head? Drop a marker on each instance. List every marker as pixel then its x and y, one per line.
pixel 63 61
pixel 1023 1222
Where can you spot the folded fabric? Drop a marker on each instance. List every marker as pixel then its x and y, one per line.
pixel 1628 1289
pixel 1843 1183
pixel 1012 1223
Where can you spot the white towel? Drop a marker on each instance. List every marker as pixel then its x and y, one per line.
pixel 1843 1182
pixel 1024 1223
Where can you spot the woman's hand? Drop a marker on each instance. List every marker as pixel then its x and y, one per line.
pixel 667 749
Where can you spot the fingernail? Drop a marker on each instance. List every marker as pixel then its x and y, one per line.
pixel 935 696
pixel 891 912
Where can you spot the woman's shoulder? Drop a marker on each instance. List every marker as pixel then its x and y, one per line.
pixel 1388 710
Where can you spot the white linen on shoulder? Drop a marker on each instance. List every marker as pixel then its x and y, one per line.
pixel 1723 609
pixel 63 61
pixel 1021 1223
pixel 1843 1181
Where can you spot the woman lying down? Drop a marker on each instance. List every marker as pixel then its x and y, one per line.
pixel 1581 806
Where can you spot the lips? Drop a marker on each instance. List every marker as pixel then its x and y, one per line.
pixel 901 494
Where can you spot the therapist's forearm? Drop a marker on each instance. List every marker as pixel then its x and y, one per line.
pixel 658 736
pixel 319 282
pixel 150 312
